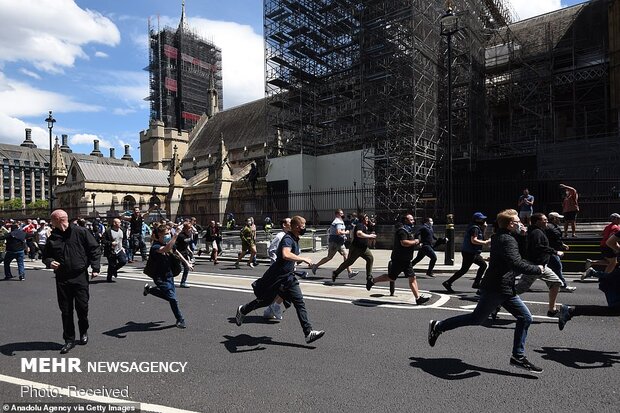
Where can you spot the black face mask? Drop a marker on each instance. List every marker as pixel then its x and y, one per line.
pixel 302 231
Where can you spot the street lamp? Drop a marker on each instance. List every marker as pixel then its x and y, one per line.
pixel 93 196
pixel 449 26
pixel 50 125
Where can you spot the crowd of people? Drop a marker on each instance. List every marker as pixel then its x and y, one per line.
pixel 519 255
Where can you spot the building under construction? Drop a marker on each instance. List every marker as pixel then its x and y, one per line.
pixel 184 71
pixel 371 75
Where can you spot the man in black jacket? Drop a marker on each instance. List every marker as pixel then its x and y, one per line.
pixel 15 249
pixel 427 239
pixel 538 253
pixel 498 288
pixel 69 251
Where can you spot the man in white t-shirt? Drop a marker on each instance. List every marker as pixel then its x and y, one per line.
pixel 335 244
pixel 113 248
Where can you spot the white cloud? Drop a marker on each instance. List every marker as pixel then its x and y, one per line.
pixel 242 58
pixel 30 73
pixel 51 33
pixel 529 8
pixel 20 99
pixel 101 54
pixel 123 111
pixel 12 131
pixel 88 138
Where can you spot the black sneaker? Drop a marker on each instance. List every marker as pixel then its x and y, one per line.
pixel 422 299
pixel 334 275
pixel 392 288
pixel 523 363
pixel 430 275
pixel 239 316
pixel 314 335
pixel 181 324
pixel 553 313
pixel 369 284
pixel 475 285
pixel 146 290
pixel 563 317
pixel 432 332
pixel 447 286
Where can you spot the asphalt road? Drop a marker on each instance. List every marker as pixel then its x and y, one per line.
pixel 373 357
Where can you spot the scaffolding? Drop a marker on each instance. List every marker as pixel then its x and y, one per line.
pixel 184 71
pixel 548 82
pixel 371 75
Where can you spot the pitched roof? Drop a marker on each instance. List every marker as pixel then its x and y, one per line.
pixel 240 126
pixel 113 174
pixel 16 152
pixel 533 33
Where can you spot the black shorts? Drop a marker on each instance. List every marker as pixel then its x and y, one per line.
pixel 608 252
pixel 570 216
pixel 396 267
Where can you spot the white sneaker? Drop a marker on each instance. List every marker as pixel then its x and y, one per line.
pixel 314 335
pixel 568 289
pixel 588 263
pixel 353 274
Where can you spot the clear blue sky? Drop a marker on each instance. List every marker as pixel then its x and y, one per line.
pixel 83 59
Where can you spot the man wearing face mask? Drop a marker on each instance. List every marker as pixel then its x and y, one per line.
pixel 69 251
pixel 498 288
pixel 280 280
pixel 427 239
pixel 400 260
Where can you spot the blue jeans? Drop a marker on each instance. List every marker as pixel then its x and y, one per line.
pixel 426 251
pixel 489 301
pixel 165 290
pixel 19 256
pixel 556 266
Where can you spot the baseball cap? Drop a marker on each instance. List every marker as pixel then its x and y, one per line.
pixel 479 215
pixel 614 216
pixel 555 215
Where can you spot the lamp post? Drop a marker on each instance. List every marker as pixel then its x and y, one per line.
pixel 50 125
pixel 449 26
pixel 93 196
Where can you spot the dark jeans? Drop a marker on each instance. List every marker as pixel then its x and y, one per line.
pixel 185 269
pixel 426 251
pixel 356 252
pixel 290 292
pixel 10 256
pixel 70 295
pixel 489 301
pixel 595 310
pixel 115 263
pixel 165 290
pixel 136 242
pixel 470 258
pixel 556 266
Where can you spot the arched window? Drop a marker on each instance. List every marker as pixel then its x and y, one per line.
pixel 154 201
pixel 129 202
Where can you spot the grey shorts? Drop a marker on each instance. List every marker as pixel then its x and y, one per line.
pixel 333 248
pixel 547 276
pixel 525 214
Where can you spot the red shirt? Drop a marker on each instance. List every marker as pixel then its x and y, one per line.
pixel 609 230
